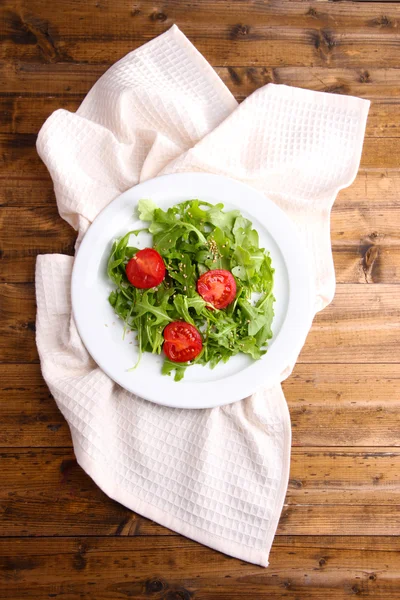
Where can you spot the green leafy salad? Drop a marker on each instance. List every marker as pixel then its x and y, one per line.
pixel 202 293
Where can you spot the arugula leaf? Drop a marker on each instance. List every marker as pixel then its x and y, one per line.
pixel 144 306
pixel 146 209
pixel 169 367
pixel 224 220
pixel 182 308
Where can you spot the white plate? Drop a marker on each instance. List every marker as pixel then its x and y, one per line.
pixel 101 330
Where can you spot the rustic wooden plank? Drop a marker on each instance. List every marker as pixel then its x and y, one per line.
pixel 19 159
pixel 377 187
pixel 365 236
pixel 27 194
pixel 29 416
pixel 28 232
pixel 360 326
pixel 52 483
pixel 335 519
pixel 73 19
pixel 330 405
pixel 26 115
pixel 69 82
pixel 346 542
pixel 344 405
pixel 347 476
pixel 17 327
pixel 109 569
pixel 47 79
pixel 240 46
pixel 235 35
pixel 367 263
pixel 377 153
pixel 328 496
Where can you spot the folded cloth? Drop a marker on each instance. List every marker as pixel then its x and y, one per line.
pixel 217 476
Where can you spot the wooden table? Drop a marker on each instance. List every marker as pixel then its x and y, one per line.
pixel 338 535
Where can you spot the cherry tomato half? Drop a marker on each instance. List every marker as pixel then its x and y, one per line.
pixel 217 287
pixel 182 341
pixel 146 269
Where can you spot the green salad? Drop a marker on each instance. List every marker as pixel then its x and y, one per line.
pixel 202 293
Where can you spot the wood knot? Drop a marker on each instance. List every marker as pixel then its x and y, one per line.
pixel 239 31
pixel 54 427
pixel 355 589
pixel 234 76
pixel 372 577
pixel 179 594
pixel 365 77
pixel 295 483
pixel 287 584
pixel 339 88
pixel 79 561
pixel 382 21
pixel 158 16
pixel 67 465
pixel 156 585
pixel 252 75
pixel 369 262
pixel 40 30
pixel 323 41
pixel 312 13
pixel 322 562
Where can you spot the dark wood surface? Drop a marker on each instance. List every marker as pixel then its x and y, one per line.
pixel 338 537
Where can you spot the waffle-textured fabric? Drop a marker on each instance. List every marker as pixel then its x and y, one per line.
pixel 217 476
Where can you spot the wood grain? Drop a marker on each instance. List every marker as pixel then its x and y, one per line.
pixel 142 20
pixel 344 405
pixel 179 569
pixel 360 326
pixel 29 416
pixel 330 405
pixel 344 476
pixel 57 84
pixel 374 188
pixel 20 115
pixel 365 236
pixel 321 496
pixel 238 34
pixel 19 159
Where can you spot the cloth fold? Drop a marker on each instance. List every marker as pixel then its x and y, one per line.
pixel 217 476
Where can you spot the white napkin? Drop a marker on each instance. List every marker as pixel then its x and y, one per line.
pixel 217 476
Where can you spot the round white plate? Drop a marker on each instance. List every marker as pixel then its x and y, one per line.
pixel 101 330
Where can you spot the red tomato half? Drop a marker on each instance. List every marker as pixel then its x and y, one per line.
pixel 146 269
pixel 217 287
pixel 182 341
